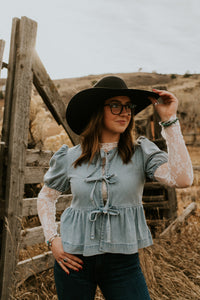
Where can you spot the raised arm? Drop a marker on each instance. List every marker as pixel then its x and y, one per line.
pixel 178 171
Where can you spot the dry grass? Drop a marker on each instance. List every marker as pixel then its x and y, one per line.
pixel 171 268
pixel 172 265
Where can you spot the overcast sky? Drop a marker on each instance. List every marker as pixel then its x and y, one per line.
pixel 81 37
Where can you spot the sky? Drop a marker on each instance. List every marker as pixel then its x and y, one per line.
pixel 82 37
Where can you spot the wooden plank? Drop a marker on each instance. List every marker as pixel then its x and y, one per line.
pixel 196 168
pixel 51 97
pixel 191 134
pixel 36 157
pixel 30 205
pixel 155 205
pixel 18 140
pixel 2 145
pixel 37 164
pixel 154 185
pixel 33 265
pixel 180 220
pixel 10 80
pixel 32 236
pixel 5 136
pixel 153 198
pixel 156 222
pixel 34 174
pixel 2 46
pixel 7 115
pixel 2 183
pixel 171 213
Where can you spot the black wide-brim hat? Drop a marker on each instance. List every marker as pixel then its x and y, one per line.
pixel 86 102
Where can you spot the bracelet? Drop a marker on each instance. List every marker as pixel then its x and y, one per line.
pixel 168 123
pixel 49 242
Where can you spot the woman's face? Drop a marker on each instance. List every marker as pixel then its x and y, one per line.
pixel 113 124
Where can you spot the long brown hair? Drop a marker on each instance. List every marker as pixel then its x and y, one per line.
pixel 90 139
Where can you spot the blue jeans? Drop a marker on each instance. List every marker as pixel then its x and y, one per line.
pixel 119 277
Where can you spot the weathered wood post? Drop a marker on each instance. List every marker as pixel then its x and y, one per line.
pixel 2 46
pixel 47 90
pixel 6 117
pixel 18 94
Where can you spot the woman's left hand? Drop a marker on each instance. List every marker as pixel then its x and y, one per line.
pixel 168 108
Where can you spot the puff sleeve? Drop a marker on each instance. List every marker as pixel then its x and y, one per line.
pixel 56 177
pixel 153 157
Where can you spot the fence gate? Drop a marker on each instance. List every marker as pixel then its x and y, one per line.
pixel 24 69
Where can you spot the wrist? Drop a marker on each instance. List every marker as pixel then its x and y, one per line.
pixel 172 120
pixel 50 241
pixel 167 119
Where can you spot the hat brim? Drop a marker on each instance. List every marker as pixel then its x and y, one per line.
pixel 83 104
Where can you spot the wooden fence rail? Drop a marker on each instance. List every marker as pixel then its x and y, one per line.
pixel 192 138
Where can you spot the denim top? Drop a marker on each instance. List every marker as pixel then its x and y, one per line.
pixel 88 226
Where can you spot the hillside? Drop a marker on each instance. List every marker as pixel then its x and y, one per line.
pixel 44 132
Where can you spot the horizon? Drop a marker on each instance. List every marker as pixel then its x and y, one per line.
pixel 83 37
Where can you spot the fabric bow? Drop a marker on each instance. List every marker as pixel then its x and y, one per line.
pixel 93 215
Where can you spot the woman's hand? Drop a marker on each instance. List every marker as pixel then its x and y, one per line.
pixel 168 108
pixel 66 260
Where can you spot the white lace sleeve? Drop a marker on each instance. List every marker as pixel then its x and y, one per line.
pixel 178 171
pixel 46 206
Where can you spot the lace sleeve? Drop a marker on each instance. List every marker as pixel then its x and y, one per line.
pixel 46 206
pixel 178 171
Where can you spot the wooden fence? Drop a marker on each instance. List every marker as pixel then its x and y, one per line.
pixel 24 69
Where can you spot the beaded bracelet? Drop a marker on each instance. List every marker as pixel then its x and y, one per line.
pixel 168 123
pixel 49 242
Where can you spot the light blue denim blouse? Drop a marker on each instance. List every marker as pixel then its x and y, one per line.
pixel 88 226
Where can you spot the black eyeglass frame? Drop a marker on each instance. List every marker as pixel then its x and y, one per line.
pixel 127 106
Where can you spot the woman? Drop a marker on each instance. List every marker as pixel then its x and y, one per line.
pixel 105 225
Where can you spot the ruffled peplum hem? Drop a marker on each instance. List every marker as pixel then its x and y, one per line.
pixel 92 231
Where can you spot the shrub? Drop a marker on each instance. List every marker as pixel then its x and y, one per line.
pixel 186 75
pixel 173 76
pixel 93 82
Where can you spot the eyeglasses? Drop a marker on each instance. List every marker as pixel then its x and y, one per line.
pixel 117 108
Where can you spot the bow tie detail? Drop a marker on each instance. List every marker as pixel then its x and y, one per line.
pixel 109 179
pixel 106 210
pixel 93 215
